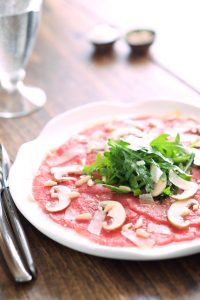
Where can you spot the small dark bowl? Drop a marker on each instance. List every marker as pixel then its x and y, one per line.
pixel 103 37
pixel 140 40
pixel 103 48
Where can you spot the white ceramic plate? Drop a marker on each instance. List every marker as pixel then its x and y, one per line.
pixel 56 132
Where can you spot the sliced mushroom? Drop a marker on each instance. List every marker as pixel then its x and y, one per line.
pixel 159 187
pixel 178 210
pixel 61 173
pixel 62 193
pixel 116 211
pixel 187 193
pixel 189 188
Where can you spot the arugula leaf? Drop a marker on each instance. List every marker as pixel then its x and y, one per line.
pixel 171 148
pixel 121 165
pixel 96 166
pixel 116 189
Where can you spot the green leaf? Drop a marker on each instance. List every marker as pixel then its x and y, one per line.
pixel 97 165
pixel 116 189
pixel 170 148
pixel 119 165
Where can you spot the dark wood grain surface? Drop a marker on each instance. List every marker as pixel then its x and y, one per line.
pixel 65 66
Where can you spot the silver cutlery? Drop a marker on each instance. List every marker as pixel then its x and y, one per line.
pixel 13 241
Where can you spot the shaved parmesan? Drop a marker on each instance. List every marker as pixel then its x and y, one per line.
pixel 156 172
pixel 137 240
pixel 96 223
pixel 146 199
pixel 178 181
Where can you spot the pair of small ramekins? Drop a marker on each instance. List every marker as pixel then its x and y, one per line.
pixel 103 37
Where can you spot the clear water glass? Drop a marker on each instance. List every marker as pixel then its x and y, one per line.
pixel 19 20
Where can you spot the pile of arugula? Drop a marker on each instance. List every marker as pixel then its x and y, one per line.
pixel 123 166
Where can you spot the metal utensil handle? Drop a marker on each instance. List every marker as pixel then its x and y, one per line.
pixel 18 230
pixel 10 250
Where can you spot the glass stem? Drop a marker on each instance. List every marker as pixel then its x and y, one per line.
pixel 9 84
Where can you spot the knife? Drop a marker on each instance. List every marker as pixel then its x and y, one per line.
pixel 13 242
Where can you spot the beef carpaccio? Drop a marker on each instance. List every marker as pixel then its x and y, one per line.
pixel 79 200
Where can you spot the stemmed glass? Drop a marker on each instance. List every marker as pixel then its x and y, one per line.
pixel 19 20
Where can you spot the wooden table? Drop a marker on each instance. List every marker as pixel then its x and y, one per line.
pixel 64 65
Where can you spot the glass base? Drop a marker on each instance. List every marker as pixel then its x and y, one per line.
pixel 22 101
